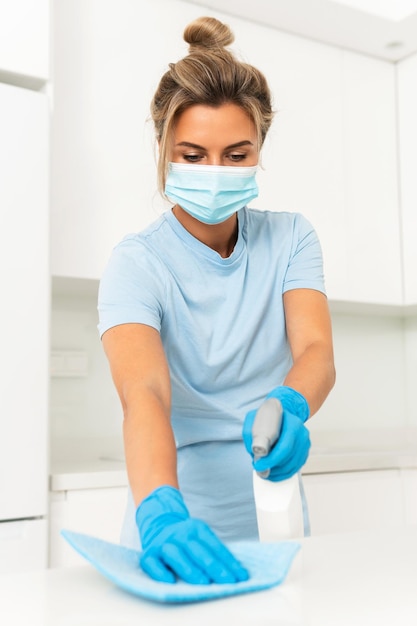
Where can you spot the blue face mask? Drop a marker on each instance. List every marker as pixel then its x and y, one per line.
pixel 211 193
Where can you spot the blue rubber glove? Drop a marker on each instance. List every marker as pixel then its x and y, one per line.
pixel 176 545
pixel 291 450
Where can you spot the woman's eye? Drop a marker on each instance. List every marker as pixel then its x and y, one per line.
pixel 192 158
pixel 237 157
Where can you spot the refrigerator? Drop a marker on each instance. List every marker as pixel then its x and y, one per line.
pixel 24 327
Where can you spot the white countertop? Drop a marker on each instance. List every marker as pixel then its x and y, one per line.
pixel 97 463
pixel 87 463
pixel 361 450
pixel 355 579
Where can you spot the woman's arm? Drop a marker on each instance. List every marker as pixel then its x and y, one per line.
pixel 310 337
pixel 167 532
pixel 141 376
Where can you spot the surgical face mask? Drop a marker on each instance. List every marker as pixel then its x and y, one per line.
pixel 211 193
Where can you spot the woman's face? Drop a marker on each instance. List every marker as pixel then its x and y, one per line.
pixel 223 135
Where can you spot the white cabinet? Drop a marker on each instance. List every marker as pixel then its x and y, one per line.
pixel 24 38
pixel 303 154
pixel 334 158
pixel 354 501
pixel 23 545
pixel 24 302
pixel 107 62
pixel 372 220
pixel 338 502
pixel 407 107
pixel 96 512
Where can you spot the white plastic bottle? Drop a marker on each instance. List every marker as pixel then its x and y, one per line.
pixel 279 508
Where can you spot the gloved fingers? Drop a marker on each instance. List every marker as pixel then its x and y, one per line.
pixel 180 559
pixel 209 563
pixel 278 475
pixel 170 562
pixel 289 469
pixel 294 436
pixel 281 453
pixel 199 560
pixel 247 430
pixel 230 566
pixel 152 565
pixel 290 452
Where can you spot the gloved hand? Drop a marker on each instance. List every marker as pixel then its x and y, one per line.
pixel 291 450
pixel 177 545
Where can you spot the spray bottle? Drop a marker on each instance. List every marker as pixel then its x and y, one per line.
pixel 279 507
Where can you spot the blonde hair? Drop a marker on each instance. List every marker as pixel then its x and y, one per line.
pixel 209 75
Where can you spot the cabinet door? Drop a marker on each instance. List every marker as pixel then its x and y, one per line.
pixel 303 154
pixel 23 546
pixel 96 512
pixel 24 38
pixel 24 302
pixel 354 501
pixel 407 107
pixel 332 155
pixel 372 224
pixel 107 63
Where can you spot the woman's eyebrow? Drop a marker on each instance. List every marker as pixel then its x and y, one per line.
pixel 239 144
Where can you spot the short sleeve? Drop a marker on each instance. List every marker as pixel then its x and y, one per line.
pixel 305 267
pixel 132 287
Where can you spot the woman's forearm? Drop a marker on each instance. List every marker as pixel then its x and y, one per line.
pixel 313 375
pixel 141 376
pixel 149 447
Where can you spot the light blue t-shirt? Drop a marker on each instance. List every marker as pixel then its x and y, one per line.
pixel 222 325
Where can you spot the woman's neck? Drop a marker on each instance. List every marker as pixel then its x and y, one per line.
pixel 219 237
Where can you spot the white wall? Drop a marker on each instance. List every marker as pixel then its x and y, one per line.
pixel 87 406
pixel 370 389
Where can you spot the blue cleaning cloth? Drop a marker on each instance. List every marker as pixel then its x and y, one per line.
pixel 268 565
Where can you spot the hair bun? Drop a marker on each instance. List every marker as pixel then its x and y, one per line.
pixel 208 32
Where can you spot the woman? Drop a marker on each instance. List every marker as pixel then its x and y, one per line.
pixel 204 314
